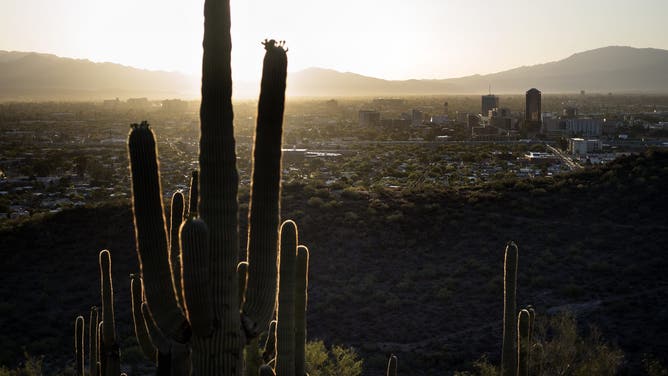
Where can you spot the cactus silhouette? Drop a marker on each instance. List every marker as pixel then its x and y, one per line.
pixel 110 355
pixel 93 344
pixel 140 326
pixel 301 297
pixel 509 351
pixel 210 306
pixel 79 345
pixel 523 343
pixel 285 322
pixel 392 366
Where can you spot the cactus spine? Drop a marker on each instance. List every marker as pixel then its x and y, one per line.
pixel 509 352
pixel 392 366
pixel 79 345
pixel 523 343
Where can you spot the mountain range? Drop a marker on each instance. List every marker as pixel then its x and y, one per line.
pixel 35 76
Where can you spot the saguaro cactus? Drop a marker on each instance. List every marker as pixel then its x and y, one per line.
pixel 201 308
pixel 93 344
pixel 79 345
pixel 301 298
pixel 285 323
pixel 109 350
pixel 509 351
pixel 523 343
pixel 392 366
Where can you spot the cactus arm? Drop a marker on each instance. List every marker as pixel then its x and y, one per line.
pixel 392 366
pixel 509 351
pixel 195 282
pixel 270 344
pixel 523 344
pixel 111 352
pixel 151 234
pixel 218 188
pixel 100 349
pixel 285 323
pixel 79 345
pixel 176 214
pixel 264 209
pixel 301 296
pixel 92 341
pixel 141 332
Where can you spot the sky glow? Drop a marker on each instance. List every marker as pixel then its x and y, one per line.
pixel 392 39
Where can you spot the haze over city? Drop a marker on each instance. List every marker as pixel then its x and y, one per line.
pixel 389 39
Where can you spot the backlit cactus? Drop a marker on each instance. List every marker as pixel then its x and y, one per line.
pixel 523 343
pixel 392 366
pixel 93 343
pixel 301 297
pixel 110 355
pixel 285 322
pixel 141 330
pixel 509 351
pixel 79 345
pixel 210 304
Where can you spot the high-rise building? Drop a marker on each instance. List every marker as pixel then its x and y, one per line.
pixel 489 102
pixel 532 111
pixel 369 117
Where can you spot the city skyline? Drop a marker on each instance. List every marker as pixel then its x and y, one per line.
pixel 392 40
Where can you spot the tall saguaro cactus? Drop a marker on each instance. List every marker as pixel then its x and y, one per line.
pixel 509 351
pixel 200 305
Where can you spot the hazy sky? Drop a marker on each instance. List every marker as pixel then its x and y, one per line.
pixel 393 39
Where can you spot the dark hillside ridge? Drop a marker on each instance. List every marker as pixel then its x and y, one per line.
pixel 418 274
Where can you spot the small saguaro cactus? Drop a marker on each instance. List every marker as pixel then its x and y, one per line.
pixel 392 366
pixel 509 351
pixel 301 298
pixel 79 345
pixel 110 354
pixel 93 343
pixel 523 343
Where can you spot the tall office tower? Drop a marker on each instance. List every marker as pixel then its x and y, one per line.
pixel 532 111
pixel 489 102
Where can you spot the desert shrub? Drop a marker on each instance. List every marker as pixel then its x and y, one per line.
pixel 339 361
pixel 31 367
pixel 564 352
pixel 558 349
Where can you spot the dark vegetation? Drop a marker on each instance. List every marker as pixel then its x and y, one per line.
pixel 414 273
